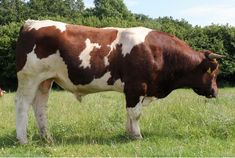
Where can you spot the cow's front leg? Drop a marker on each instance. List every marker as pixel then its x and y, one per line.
pixel 134 101
pixel 132 125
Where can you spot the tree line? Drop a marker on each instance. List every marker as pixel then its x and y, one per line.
pixel 13 13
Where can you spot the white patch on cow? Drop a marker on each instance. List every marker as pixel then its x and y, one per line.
pixel 106 61
pixel 132 37
pixel 35 66
pixel 36 24
pixel 51 67
pixel 133 115
pixel 100 84
pixel 128 38
pixel 85 56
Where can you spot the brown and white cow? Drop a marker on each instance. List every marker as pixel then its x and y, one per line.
pixel 140 62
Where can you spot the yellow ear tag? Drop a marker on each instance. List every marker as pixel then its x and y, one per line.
pixel 209 71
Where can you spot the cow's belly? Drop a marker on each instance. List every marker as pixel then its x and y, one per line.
pixel 96 85
pixel 100 84
pixel 54 67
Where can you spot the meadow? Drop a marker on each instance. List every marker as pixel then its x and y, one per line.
pixel 183 124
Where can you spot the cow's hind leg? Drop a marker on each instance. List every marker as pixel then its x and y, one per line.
pixel 40 108
pixel 24 97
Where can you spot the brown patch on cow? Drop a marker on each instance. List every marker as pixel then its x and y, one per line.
pixel 45 39
pixel 70 44
pixel 164 63
pixel 73 40
pixel 136 70
pixel 24 45
pixel 115 60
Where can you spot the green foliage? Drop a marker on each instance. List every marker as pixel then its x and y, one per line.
pixel 106 13
pixel 8 34
pixel 52 8
pixel 12 11
pixel 111 8
pixel 179 28
pixel 181 125
pixel 220 39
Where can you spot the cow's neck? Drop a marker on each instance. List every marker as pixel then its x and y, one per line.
pixel 187 73
pixel 179 75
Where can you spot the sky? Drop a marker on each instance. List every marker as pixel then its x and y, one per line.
pixel 196 12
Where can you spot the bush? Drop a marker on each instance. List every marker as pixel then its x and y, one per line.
pixel 219 39
pixel 8 34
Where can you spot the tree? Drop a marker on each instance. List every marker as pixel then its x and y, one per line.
pixel 179 28
pixel 52 8
pixel 11 11
pixel 75 5
pixel 142 17
pixel 111 8
pixel 8 34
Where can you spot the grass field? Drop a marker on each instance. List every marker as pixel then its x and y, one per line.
pixel 183 124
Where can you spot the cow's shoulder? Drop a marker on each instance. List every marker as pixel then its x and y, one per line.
pixel 128 38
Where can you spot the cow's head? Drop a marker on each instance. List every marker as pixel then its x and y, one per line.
pixel 207 74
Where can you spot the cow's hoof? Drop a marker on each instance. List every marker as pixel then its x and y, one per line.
pixel 136 137
pixel 48 139
pixel 23 141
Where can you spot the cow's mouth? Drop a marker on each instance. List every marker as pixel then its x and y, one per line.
pixel 206 94
pixel 213 95
pixel 210 96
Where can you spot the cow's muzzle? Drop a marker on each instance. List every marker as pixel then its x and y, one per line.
pixel 213 93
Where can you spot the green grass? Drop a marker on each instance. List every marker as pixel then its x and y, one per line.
pixel 183 124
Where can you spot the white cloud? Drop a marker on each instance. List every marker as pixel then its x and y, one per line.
pixel 207 14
